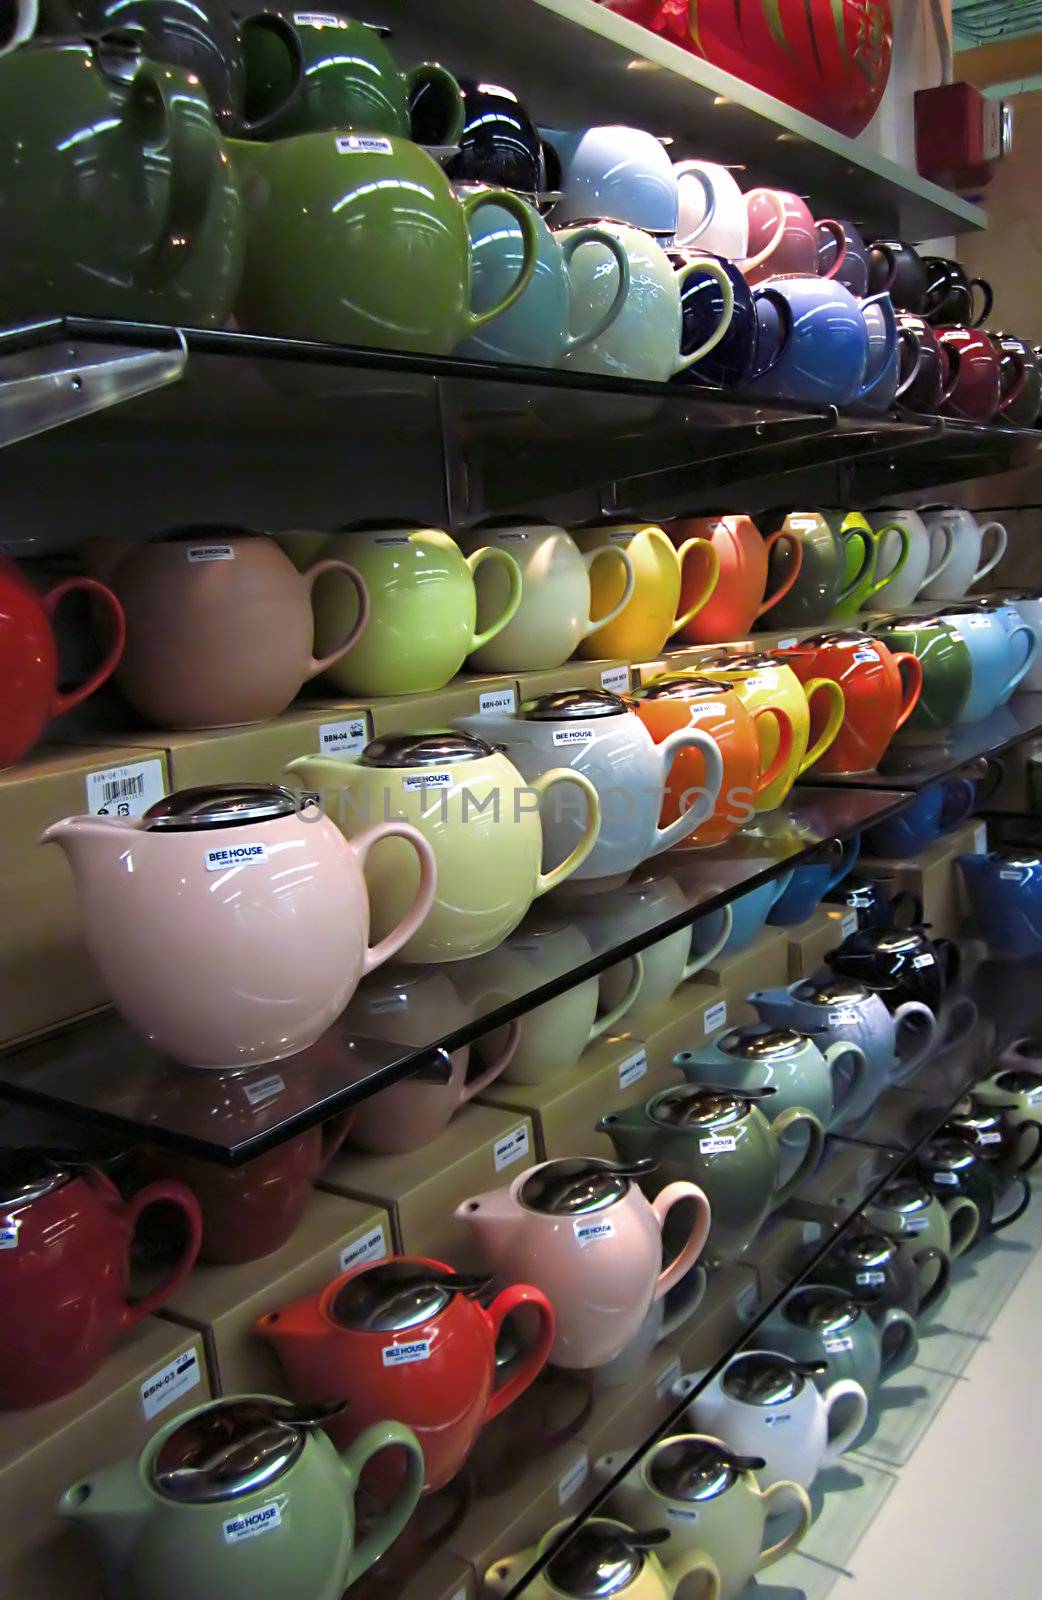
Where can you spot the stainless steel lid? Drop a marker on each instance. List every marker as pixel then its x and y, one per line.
pixel 566 704
pixel 742 660
pixel 573 1186
pixel 1016 856
pixel 693 1468
pixel 903 1195
pixel 1032 1048
pixel 972 1118
pixel 760 1042
pixel 231 805
pixel 765 1378
pixel 841 636
pixel 690 1106
pixel 947 1154
pixel 234 1447
pixel 826 1310
pixel 443 747
pixel 680 687
pixel 831 991
pixel 28 1174
pixel 1019 1080
pixel 869 1249
pixel 894 941
pixel 392 1295
pixel 603 1558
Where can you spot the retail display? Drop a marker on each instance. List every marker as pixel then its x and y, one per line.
pixel 994 667
pixel 618 172
pixel 934 373
pixel 782 1060
pixel 825 350
pixel 1010 1146
pixel 754 338
pixel 811 880
pixel 852 271
pixel 740 595
pixel 899 964
pixel 948 296
pixel 606 1558
pixel 1028 607
pixel 976 393
pixel 643 903
pixel 823 1328
pixel 1026 650
pixel 880 691
pixel 783 237
pixel 937 809
pixel 921 565
pixel 712 210
pixel 910 1212
pixel 876 907
pixel 822 581
pixel 946 670
pixel 880 1272
pixel 954 1172
pixel 640 629
pixel 957 535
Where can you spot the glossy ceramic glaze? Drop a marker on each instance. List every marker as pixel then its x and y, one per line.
pixel 899 964
pixel 922 565
pixel 977 391
pixel 423 608
pixel 196 605
pixel 729 1526
pixel 946 669
pixel 823 1080
pixel 1010 1144
pixel 967 564
pixel 656 1578
pixel 614 171
pixel 739 1170
pixel 600 1269
pixel 1024 653
pixel 1022 398
pixel 444 1396
pixel 613 749
pixel 932 375
pixel 712 210
pixel 750 911
pixel 178 1550
pixel 821 582
pixel 755 335
pixel 875 904
pixel 1029 609
pixel 912 1214
pixel 644 339
pixel 639 630
pixel 897 267
pixel 783 236
pixel 889 354
pixel 487 857
pixel 933 812
pixel 825 357
pixel 949 295
pixel 498 144
pixel 226 965
pixel 812 879
pixel 65 1272
pixel 861 580
pixel 853 269
pixel 763 681
pixel 879 1273
pixel 650 899
pixel 535 332
pixel 123 204
pixel 797 1452
pixel 880 692
pixel 954 1171
pixel 993 654
pixel 819 1324
pixel 1005 894
pixel 29 693
pixel 332 253
pixel 740 595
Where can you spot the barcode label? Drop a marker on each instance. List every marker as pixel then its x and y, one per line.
pixel 633 1069
pixel 342 738
pixel 494 700
pixel 571 1482
pixel 714 1016
pixel 616 679
pixel 511 1147
pixel 266 1089
pixel 125 791
pixel 372 1246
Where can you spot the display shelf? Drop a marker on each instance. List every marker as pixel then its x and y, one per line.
pixel 100 1071
pixel 534 47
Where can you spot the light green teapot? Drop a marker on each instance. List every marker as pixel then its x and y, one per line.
pixel 607 1559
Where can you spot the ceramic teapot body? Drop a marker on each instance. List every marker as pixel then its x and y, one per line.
pixel 1005 892
pixel 740 597
pixel 619 1561
pixel 1010 1145
pixel 821 581
pixel 819 1325
pixel 812 879
pixel 879 1273
pixel 993 657
pixel 935 811
pixel 755 1056
pixel 899 964
pixel 614 171
pixel 921 565
pixel 825 358
pixel 955 1172
pixel 638 629
pixel 911 1213
pixel 647 900
pixel 880 691
pixel 945 666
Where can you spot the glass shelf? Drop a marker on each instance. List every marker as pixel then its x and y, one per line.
pixel 101 1072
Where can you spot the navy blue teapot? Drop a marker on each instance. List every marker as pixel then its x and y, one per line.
pixel 1005 891
pixel 874 903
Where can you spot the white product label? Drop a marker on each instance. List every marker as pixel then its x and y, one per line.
pixel 372 1246
pixel 863 655
pixel 838 1343
pixel 568 736
pixel 718 1144
pixel 9 1235
pixel 633 1069
pixel 775 1419
pixel 842 1016
pixel 977 622
pixel 615 679
pixel 786 644
pixel 587 1232
pixel 759 680
pixel 342 738
pixel 950 1179
pixel 210 552
pixel 226 856
pixel 989 1138
pixel 1012 877
pixel 677 1513
pixel 403 1355
pixel 702 708
pixel 390 540
pixel 870 1279
pixel 714 1017
pixel 250 1523
pixel 494 700
pixel 125 791
pixel 848 924
pixel 667 1378
pixel 922 961
pixel 980 838
pixel 266 1089
pixel 430 780
pixel 363 144
pixel 510 535
pixel 169 1384
pixel 317 19
pixel 571 1482
pixel 915 1224
pixel 810 1233
pixel 511 1147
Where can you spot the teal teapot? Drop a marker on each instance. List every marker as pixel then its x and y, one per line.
pixel 821 1325
pixel 824 1078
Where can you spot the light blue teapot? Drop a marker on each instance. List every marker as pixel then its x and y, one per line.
pixel 751 910
pixel 1005 890
pixel 995 652
pixel 1023 651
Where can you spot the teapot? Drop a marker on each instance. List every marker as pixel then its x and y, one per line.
pixel 243 1495
pixel 880 691
pixel 875 905
pixel 945 668
pixel 29 693
pixel 1016 1089
pixel 499 143
pixel 1010 1146
pixel 935 810
pixel 899 964
pixel 954 1171
pixel 995 671
pixel 638 629
pixel 481 824
pixel 613 171
pixel 836 559
pixel 721 1139
pixel 1005 893
pixel 759 1390
pixel 740 597
pixel 66 1238
pixel 650 899
pixel 823 1079
pixel 600 735
pixel 823 1327
pixel 217 969
pixel 910 1212
pixel 710 1499
pixel 784 237
pixel 605 1558
pixel 955 531
pixel 409 1338
pixel 582 1231
pixel 879 1272
pixel 820 871
pixel 924 559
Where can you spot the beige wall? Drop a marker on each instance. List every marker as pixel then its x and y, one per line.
pixel 1009 254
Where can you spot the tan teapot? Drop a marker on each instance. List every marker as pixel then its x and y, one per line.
pixel 606 1558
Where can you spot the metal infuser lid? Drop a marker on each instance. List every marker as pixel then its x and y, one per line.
pixel 697 1108
pixel 763 1378
pixel 226 805
pixel 574 1186
pixel 831 991
pixel 603 1558
pixel 760 1042
pixel 827 1311
pixel 685 687
pixel 841 636
pixel 27 1174
pixel 904 1195
pixel 565 704
pixel 948 1153
pixel 234 1447
pixel 1019 1080
pixel 972 1117
pixel 695 1469
pixel 441 748
pixel 393 1295
pixel 741 661
pixel 869 1249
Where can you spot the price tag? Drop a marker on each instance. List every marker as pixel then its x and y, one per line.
pixel 511 1147
pixel 372 1246
pixel 497 700
pixel 169 1383
pixel 571 1482
pixel 257 1094
pixel 714 1016
pixel 848 924
pixel 869 1279
pixel 125 791
pixel 343 738
pixel 946 1179
pixel 717 1144
pixel 633 1069
pixel 616 679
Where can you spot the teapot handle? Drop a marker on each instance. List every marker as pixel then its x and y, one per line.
pixel 892 336
pixel 520 1294
pixel 988 298
pixel 575 857
pixel 65 702
pixel 711 269
pixel 784 1490
pixel 906 545
pixel 1032 651
pixel 775 240
pixel 309 579
pixel 682 1263
pixel 361 845
pixel 608 1020
pixel 908 1065
pixel 782 536
pixel 474 321
pixel 839 233
pixel 192 156
pixel 429 75
pixel 834 1053
pixel 898 1341
pixel 939 1287
pixel 833 722
pixel 964 1224
pixel 698 963
pixel 589 558
pixel 695 170
pixel 504 559
pixel 178 1195
pixel 839 1443
pixel 671 746
pixel 1001 540
pixel 912 684
pixel 786 736
pixel 708 551
pixel 332 1135
pixel 811 1156
pixel 499 1064
pixel 594 235
pixel 352 1462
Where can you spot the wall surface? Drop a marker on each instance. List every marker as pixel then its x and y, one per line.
pixel 1009 254
pixel 918 60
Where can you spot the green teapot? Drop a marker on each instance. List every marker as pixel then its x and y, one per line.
pixel 116 196
pixel 242 1496
pixel 358 238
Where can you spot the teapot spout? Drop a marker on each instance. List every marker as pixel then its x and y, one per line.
pixel 291 1331
pixel 632 1140
pixel 80 837
pixel 109 1505
pixel 493 1216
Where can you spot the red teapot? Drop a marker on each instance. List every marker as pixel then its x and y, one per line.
pixel 65 1238
pixel 408 1338
pixel 29 693
pixel 740 596
pixel 881 689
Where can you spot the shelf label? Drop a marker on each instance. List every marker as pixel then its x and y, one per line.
pixel 633 1069
pixel 567 736
pixel 430 780
pixel 251 1523
pixel 870 1279
pixel 616 679
pixel 497 700
pixel 209 552
pixel 257 1094
pixel 511 1147
pixel 125 791
pixel 587 1232
pixel 848 924
pixel 343 738
pixel 403 1355
pixel 227 856
pixel 363 144
pixel 717 1144
pixel 571 1482
pixel 169 1383
pixel 372 1246
pixel 714 1017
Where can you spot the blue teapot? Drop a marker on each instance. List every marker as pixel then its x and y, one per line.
pixel 853 269
pixel 883 374
pixel 811 880
pixel 874 903
pixel 1005 891
pixel 751 910
pixel 824 360
pixel 996 657
pixel 934 811
pixel 1024 651
pixel 755 336
pixel 835 1009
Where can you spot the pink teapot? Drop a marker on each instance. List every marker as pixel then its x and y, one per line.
pixel 580 1230
pixel 230 927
